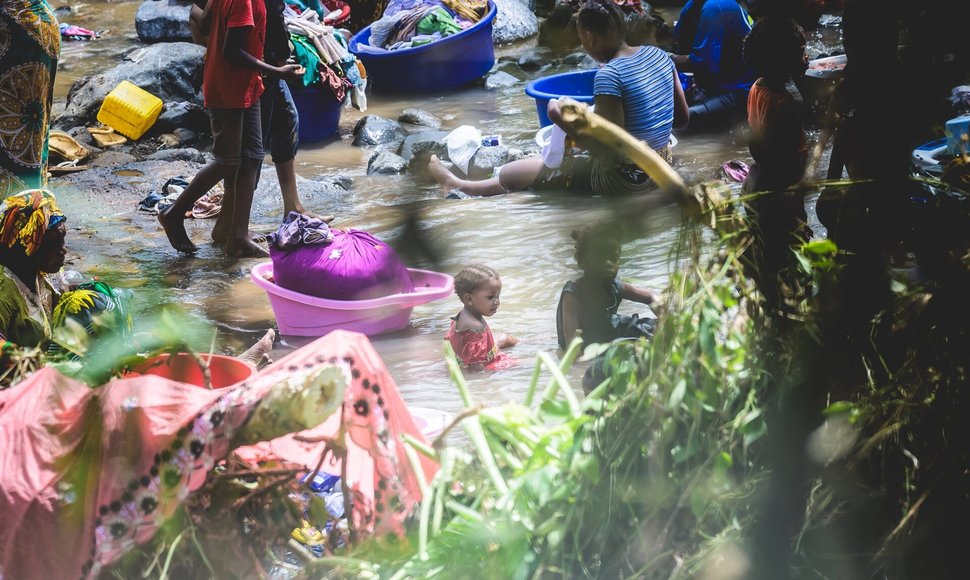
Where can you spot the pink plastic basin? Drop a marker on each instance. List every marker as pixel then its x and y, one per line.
pixel 431 422
pixel 299 314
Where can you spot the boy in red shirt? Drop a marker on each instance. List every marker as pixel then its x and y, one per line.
pixel 232 85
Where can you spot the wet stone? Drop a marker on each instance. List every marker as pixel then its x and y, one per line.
pixel 499 79
pixel 163 21
pixel 185 136
pixel 188 154
pixel 385 163
pixel 431 141
pixel 419 117
pixel 514 21
pixel 580 60
pixel 534 59
pixel 181 115
pixel 374 130
pixel 485 160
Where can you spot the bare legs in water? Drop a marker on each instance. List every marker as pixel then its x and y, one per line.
pixel 514 176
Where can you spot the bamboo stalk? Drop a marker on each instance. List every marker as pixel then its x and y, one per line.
pixel 580 120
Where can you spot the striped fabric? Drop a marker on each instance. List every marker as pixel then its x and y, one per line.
pixel 645 82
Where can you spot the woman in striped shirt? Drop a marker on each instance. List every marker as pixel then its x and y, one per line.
pixel 636 88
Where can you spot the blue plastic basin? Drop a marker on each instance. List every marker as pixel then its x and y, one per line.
pixel 449 63
pixel 575 85
pixel 319 112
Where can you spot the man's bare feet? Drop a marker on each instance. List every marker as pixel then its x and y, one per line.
pixel 259 352
pixel 445 178
pixel 174 226
pixel 245 248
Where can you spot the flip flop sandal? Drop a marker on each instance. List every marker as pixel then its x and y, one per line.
pixel 66 147
pixel 66 167
pixel 106 137
pixel 736 171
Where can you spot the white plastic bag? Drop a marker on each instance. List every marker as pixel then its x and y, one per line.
pixel 462 144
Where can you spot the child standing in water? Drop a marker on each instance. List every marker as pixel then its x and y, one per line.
pixel 479 289
pixel 589 303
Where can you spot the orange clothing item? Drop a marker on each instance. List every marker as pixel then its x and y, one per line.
pixel 777 138
pixel 225 85
pixel 477 347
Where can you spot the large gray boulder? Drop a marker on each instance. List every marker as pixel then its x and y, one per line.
pixel 514 21
pixel 163 21
pixel 420 118
pixel 171 71
pixel 375 130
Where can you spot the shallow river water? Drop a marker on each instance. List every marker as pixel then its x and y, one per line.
pixel 524 236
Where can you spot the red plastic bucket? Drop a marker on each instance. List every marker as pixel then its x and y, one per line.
pixel 224 371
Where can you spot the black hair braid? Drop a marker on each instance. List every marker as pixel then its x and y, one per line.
pixel 600 17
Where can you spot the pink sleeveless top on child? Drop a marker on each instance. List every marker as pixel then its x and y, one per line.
pixel 477 347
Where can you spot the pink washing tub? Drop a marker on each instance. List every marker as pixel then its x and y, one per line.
pixel 299 314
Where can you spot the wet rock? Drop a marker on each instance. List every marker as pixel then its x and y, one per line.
pixel 420 118
pixel 63 11
pixel 322 195
pixel 485 160
pixel 171 71
pixel 185 136
pixel 181 115
pixel 534 59
pixel 374 130
pixel 423 141
pixel 580 60
pixel 163 21
pixel 516 154
pixel 342 181
pixel 499 79
pixel 188 154
pixel 385 163
pixel 514 21
pixel 112 159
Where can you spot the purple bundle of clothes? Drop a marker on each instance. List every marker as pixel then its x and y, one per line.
pixel 311 258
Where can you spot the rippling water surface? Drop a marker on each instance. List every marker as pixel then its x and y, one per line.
pixel 524 236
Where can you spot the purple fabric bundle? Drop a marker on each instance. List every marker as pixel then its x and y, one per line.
pixel 354 265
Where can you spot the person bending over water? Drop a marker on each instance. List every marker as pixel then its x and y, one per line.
pixel 637 88
pixel 589 303
pixel 479 288
pixel 232 86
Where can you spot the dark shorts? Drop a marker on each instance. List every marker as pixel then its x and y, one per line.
pixel 236 134
pixel 281 122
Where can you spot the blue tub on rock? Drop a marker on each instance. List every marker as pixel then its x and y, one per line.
pixel 446 64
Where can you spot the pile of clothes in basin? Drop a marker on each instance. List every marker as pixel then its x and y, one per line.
pixel 322 51
pixel 412 23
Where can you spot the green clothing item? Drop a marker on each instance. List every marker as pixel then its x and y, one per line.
pixel 438 20
pixel 306 54
pixel 25 315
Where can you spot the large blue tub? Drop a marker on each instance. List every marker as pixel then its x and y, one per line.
pixel 319 112
pixel 576 85
pixel 449 63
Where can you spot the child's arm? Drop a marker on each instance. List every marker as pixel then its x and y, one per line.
pixel 506 341
pixel 570 316
pixel 641 295
pixel 233 51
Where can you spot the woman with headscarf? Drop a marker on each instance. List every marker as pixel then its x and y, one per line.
pixel 30 43
pixel 31 244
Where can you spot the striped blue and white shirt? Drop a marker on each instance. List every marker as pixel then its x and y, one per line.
pixel 645 83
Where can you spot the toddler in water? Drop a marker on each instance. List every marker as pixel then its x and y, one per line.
pixel 479 287
pixel 590 302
